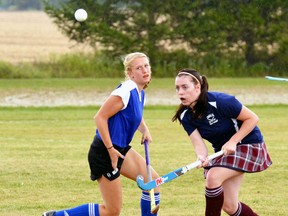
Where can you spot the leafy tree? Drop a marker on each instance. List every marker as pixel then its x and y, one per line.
pixel 180 30
pixel 249 29
pixel 119 26
pixel 261 25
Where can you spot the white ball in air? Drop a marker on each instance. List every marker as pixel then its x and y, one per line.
pixel 80 15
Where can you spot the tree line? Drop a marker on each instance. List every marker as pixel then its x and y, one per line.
pixel 213 35
pixel 250 32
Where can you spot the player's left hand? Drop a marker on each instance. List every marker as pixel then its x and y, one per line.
pixel 229 148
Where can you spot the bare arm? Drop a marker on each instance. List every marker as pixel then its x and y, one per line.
pixel 199 145
pixel 111 106
pixel 143 128
pixel 250 120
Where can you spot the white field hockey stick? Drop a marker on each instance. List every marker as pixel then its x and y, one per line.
pixel 154 207
pixel 276 78
pixel 172 175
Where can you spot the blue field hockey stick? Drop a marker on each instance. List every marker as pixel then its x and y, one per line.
pixel 172 175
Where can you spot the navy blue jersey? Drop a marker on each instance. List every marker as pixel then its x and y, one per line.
pixel 219 123
pixel 124 124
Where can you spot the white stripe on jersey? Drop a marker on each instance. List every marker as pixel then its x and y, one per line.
pixel 91 207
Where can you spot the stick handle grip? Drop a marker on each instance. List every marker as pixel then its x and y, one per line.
pixel 217 154
pixel 210 157
pixel 147 156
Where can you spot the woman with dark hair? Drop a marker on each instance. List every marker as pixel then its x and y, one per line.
pixel 228 125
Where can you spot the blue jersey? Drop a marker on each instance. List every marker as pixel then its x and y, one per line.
pixel 124 124
pixel 219 123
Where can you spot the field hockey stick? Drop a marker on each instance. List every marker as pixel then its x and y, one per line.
pixel 276 78
pixel 154 207
pixel 172 175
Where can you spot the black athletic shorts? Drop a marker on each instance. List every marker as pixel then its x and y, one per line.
pixel 100 162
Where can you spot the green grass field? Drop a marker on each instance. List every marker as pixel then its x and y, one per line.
pixel 43 157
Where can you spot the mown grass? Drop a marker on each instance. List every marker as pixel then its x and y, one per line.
pixel 156 84
pixel 43 162
pixel 43 155
pixel 48 53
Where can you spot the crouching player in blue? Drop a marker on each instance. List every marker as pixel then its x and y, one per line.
pixel 229 126
pixel 110 153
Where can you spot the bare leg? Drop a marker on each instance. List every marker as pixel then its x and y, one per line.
pixel 112 195
pixel 231 192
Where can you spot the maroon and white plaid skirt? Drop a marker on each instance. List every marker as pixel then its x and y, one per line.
pixel 247 158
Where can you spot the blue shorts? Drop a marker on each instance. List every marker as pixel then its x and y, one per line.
pixel 100 162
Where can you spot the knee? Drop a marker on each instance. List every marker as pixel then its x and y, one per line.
pixel 212 181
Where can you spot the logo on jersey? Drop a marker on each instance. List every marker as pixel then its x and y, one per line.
pixel 211 119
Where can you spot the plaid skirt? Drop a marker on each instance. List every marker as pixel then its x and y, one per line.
pixel 247 158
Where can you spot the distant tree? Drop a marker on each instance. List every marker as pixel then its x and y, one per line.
pixel 249 29
pixel 119 26
pixel 253 30
pixel 260 24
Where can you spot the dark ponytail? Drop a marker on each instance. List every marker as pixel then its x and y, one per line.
pixel 200 107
